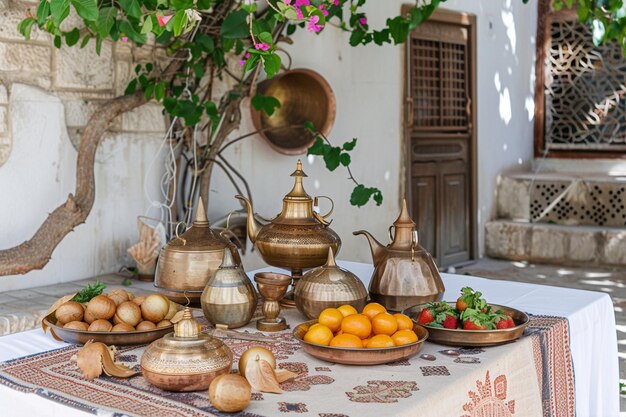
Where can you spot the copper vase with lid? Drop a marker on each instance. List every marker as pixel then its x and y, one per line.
pixel 404 272
pixel 188 261
pixel 185 360
pixel 298 237
pixel 328 286
pixel 229 297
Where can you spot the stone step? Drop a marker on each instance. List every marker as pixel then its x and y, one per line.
pixel 555 244
pixel 583 199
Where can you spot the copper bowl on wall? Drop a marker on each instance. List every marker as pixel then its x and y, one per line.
pixel 304 95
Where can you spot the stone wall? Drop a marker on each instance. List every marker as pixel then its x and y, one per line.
pixel 46 97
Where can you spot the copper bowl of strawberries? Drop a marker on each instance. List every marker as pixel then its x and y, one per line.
pixel 469 321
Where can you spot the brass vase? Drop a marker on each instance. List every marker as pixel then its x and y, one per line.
pixel 188 261
pixel 229 297
pixel 185 360
pixel 298 237
pixel 328 286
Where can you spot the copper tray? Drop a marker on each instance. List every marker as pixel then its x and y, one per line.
pixel 80 337
pixel 355 356
pixel 460 337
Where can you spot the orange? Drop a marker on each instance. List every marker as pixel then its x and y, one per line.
pixel 384 323
pixel 372 309
pixel 358 325
pixel 347 310
pixel 366 341
pixel 380 341
pixel 347 341
pixel 338 332
pixel 404 337
pixel 404 321
pixel 331 318
pixel 318 334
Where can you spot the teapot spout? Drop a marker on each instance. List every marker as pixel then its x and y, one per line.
pixel 253 226
pixel 378 250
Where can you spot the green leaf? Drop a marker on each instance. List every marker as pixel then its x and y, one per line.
pixel 271 64
pixel 57 42
pixel 417 17
pixel 235 25
pixel 344 159
pixel 72 37
pixel 25 27
pixel 159 90
pixel 265 103
pixel 147 25
pixel 106 20
pixel 89 292
pixel 361 195
pixel 131 87
pixel 332 158
pixel 127 282
pixel 131 7
pixel 43 11
pixel 308 125
pixel 129 30
pixel 291 29
pixel 319 147
pixel 179 22
pixel 99 44
pixel 87 9
pixel 206 42
pixel 348 146
pixel 204 4
pixel 85 41
pixel 381 37
pixel 181 4
pixel 398 29
pixel 266 37
pixel 357 37
pixel 59 9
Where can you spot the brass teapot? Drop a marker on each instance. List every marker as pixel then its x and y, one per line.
pixel 296 238
pixel 404 272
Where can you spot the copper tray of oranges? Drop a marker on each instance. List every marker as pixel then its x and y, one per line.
pixel 372 337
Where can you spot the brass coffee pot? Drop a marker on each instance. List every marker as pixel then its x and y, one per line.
pixel 188 261
pixel 229 297
pixel 296 238
pixel 404 272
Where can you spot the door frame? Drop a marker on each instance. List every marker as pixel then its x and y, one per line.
pixel 467 20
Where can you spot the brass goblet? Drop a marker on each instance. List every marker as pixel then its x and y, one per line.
pixel 272 287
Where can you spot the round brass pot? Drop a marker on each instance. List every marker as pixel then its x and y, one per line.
pixel 188 261
pixel 304 95
pixel 185 360
pixel 328 286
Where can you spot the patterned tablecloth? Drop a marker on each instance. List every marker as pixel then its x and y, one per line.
pixel 530 377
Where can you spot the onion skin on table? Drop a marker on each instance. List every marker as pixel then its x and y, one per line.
pixel 95 357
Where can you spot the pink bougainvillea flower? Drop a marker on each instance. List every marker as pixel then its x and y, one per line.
pixel 313 26
pixel 247 55
pixel 299 13
pixel 287 1
pixel 363 21
pixel 321 7
pixel 242 62
pixel 302 3
pixel 261 46
pixel 124 38
pixel 336 2
pixel 163 20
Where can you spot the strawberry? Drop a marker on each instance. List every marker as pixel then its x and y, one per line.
pixel 465 300
pixel 471 325
pixel 503 320
pixel 450 322
pixel 425 316
pixel 477 320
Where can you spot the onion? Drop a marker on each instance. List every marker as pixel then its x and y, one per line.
pixel 230 393
pixel 173 310
pixel 118 296
pixel 76 325
pixel 139 300
pixel 164 323
pixel 88 317
pixel 69 311
pixel 251 354
pixel 123 327
pixel 100 325
pixel 146 325
pixel 155 307
pixel 101 307
pixel 127 312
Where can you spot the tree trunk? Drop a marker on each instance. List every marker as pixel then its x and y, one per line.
pixel 36 252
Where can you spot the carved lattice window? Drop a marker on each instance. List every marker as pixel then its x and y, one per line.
pixel 583 89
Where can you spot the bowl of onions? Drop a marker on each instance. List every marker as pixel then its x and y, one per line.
pixel 115 318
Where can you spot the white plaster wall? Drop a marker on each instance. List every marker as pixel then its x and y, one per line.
pixel 40 173
pixel 367 82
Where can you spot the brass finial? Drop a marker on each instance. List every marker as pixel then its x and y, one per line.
pixel 331 258
pixel 404 220
pixel 187 326
pixel 200 218
pixel 228 261
pixel 298 189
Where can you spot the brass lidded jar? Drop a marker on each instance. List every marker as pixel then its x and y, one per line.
pixel 404 272
pixel 185 360
pixel 328 286
pixel 188 261
pixel 229 297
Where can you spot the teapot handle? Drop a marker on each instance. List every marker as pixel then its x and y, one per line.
pixel 391 237
pixel 322 217
pixel 176 232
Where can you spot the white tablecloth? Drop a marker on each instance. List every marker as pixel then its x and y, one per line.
pixel 593 341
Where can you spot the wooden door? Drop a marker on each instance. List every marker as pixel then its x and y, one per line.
pixel 440 134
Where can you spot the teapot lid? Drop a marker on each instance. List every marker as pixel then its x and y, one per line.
pixel 297 192
pixel 404 220
pixel 199 237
